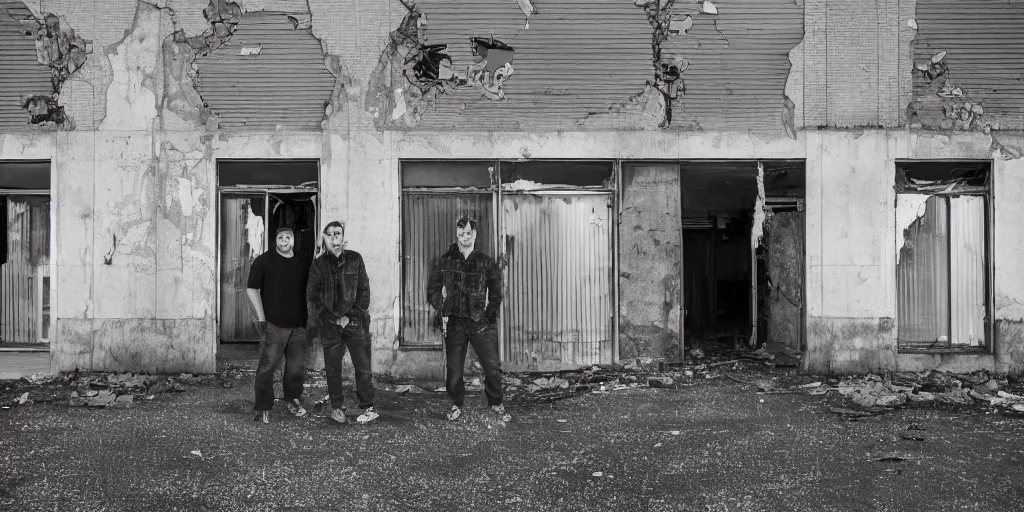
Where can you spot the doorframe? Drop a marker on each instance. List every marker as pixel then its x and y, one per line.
pixel 257 189
pixel 52 288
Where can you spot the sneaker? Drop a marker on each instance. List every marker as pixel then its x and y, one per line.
pixel 339 416
pixel 296 409
pixel 368 415
pixel 262 416
pixel 500 411
pixel 454 413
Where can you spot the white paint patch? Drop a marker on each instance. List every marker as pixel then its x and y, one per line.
pixel 909 208
pixel 708 8
pixel 254 232
pixel 400 106
pixel 396 318
pixel 912 23
pixel 185 196
pixel 757 231
pixel 250 50
pixel 130 104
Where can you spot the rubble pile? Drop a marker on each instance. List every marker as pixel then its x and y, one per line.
pixel 874 394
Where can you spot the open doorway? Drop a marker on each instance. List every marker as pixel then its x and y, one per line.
pixel 256 198
pixel 26 246
pixel 743 252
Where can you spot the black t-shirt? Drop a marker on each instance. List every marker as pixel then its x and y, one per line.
pixel 282 285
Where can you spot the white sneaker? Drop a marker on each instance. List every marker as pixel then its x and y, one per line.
pixel 500 411
pixel 295 408
pixel 454 413
pixel 262 416
pixel 368 415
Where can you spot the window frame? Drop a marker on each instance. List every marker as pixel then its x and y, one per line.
pixel 903 187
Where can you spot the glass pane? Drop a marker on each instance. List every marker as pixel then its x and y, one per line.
pixel 922 271
pixel 967 269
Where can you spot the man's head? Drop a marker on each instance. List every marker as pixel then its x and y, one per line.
pixel 465 232
pixel 284 240
pixel 334 237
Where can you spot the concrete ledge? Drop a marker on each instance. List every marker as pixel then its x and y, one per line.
pixel 957 363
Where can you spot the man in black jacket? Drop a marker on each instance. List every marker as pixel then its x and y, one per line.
pixel 465 290
pixel 338 299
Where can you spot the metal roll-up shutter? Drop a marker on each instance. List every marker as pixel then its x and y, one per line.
pixel 286 85
pixel 20 70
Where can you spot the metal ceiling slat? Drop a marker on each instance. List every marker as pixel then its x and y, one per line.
pixel 20 71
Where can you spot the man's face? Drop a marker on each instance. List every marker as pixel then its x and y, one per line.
pixel 335 237
pixel 466 237
pixel 285 242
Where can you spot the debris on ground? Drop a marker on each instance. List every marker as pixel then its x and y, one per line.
pixel 410 388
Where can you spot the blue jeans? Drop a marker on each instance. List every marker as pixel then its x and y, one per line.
pixel 277 342
pixel 336 340
pixel 463 332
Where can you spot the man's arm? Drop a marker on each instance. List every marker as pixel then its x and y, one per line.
pixel 493 292
pixel 363 290
pixel 314 302
pixel 434 286
pixel 253 286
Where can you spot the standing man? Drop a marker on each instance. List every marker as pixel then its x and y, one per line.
pixel 276 287
pixel 465 290
pixel 338 299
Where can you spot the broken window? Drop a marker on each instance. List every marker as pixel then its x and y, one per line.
pixel 942 255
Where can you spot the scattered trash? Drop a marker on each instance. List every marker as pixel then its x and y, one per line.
pixel 562 421
pixel 659 381
pixel 23 399
pixel 657 445
pixel 598 474
pixel 197 453
pixel 895 458
pixel 911 437
pixel 697 353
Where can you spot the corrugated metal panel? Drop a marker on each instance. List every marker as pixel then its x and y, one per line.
pixel 577 57
pixel 237 318
pixel 24 279
pixel 428 229
pixel 967 269
pixel 984 43
pixel 20 71
pixel 287 84
pixel 558 306
pixel 738 64
pixel 922 278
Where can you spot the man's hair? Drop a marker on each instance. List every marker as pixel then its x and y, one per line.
pixel 466 220
pixel 335 224
pixel 282 229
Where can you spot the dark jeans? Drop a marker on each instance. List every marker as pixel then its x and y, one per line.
pixel 335 340
pixel 277 342
pixel 463 332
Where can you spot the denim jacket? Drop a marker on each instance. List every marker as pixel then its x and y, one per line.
pixel 473 286
pixel 337 287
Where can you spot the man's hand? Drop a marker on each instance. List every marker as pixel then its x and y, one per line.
pixel 444 326
pixel 343 321
pixel 262 326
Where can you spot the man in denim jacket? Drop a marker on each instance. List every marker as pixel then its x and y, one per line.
pixel 465 290
pixel 337 298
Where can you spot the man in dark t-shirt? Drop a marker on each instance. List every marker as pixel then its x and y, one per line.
pixel 277 290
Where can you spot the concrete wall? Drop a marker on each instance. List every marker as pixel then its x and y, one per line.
pixel 851 236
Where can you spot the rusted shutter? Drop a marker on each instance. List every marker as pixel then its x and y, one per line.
pixel 738 63
pixel 922 277
pixel 967 285
pixel 558 300
pixel 577 57
pixel 984 44
pixel 286 85
pixel 20 71
pixel 238 249
pixel 428 230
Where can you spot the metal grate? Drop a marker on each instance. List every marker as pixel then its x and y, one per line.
pixel 20 71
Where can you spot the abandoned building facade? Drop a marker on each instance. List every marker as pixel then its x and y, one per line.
pixel 844 179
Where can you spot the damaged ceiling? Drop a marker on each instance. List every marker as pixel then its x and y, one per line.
pixel 968 65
